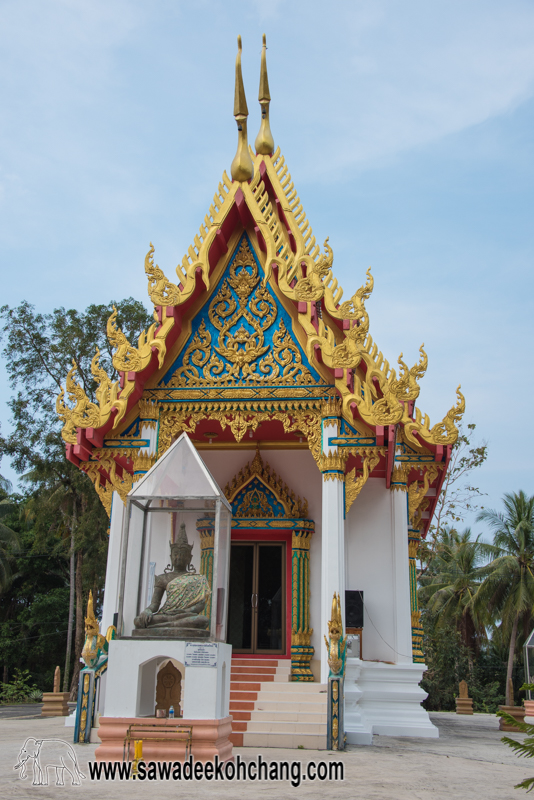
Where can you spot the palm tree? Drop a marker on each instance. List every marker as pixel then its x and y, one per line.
pixel 448 592
pixel 9 540
pixel 507 590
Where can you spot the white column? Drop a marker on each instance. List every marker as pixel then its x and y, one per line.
pixel 111 587
pixel 401 567
pixel 149 431
pixel 333 534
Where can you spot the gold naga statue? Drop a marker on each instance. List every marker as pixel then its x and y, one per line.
pixel 336 645
pixel 180 617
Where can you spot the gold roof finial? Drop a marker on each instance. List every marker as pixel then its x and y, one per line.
pixel 264 140
pixel 242 168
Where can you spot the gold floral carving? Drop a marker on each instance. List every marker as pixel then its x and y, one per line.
pixel 444 432
pixel 294 506
pixel 106 461
pixel 332 465
pixel 416 619
pixel 148 412
pixel 354 483
pixel 331 407
pixel 311 288
pixel 130 359
pixel 240 418
pixel 417 490
pixel 413 543
pixel 254 504
pixel 399 477
pixel 85 414
pixel 104 490
pixel 142 463
pixel 161 291
pixel 240 355
pixel 418 516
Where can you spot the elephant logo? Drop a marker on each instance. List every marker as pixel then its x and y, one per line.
pixel 49 754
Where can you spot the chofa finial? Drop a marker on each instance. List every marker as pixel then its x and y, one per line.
pixel 242 168
pixel 264 141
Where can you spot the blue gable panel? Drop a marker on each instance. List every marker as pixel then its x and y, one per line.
pixel 242 336
pixel 255 499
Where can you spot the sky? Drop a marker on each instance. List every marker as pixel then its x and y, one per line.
pixel 408 129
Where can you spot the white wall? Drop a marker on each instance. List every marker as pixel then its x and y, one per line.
pixel 376 537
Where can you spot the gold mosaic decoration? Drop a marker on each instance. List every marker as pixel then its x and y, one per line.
pixel 240 418
pixel 354 482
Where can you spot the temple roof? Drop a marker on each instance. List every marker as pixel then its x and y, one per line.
pixel 260 207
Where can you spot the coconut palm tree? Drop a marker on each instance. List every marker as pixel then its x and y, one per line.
pixel 507 590
pixel 448 592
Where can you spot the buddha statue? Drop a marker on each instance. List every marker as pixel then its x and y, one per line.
pixel 180 616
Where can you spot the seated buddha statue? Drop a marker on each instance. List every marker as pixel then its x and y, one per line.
pixel 180 616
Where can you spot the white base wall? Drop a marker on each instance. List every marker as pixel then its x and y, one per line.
pixel 385 699
pixel 132 672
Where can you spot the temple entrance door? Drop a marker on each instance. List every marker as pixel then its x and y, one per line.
pixel 256 603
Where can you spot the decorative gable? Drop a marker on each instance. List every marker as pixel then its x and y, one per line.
pixel 242 337
pixel 258 492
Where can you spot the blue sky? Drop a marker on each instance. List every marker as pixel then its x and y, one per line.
pixel 408 128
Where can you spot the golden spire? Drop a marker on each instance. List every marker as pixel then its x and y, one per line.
pixel 264 140
pixel 242 168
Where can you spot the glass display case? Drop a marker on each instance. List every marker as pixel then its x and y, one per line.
pixel 176 508
pixel 528 658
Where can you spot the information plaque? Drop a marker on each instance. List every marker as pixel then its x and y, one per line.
pixel 200 655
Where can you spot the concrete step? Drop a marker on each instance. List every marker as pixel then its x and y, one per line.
pixel 261 662
pixel 246 686
pixel 243 696
pixel 299 688
pixel 305 717
pixel 241 705
pixel 241 716
pixel 270 708
pixel 283 728
pixel 285 697
pixel 270 711
pixel 250 677
pixel 252 669
pixel 293 741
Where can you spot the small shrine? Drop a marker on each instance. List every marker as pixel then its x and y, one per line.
pixel 257 376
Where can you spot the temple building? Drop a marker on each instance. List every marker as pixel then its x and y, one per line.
pixel 329 469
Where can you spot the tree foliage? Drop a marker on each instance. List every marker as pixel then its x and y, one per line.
pixel 458 496
pixel 60 500
pixel 507 588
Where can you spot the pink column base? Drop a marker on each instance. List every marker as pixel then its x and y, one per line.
pixel 210 738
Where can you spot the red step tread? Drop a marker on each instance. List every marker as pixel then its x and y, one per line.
pixel 243 695
pixel 245 686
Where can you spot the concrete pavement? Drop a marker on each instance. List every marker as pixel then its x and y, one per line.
pixel 467 762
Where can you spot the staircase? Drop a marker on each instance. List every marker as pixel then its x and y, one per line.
pixel 270 711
